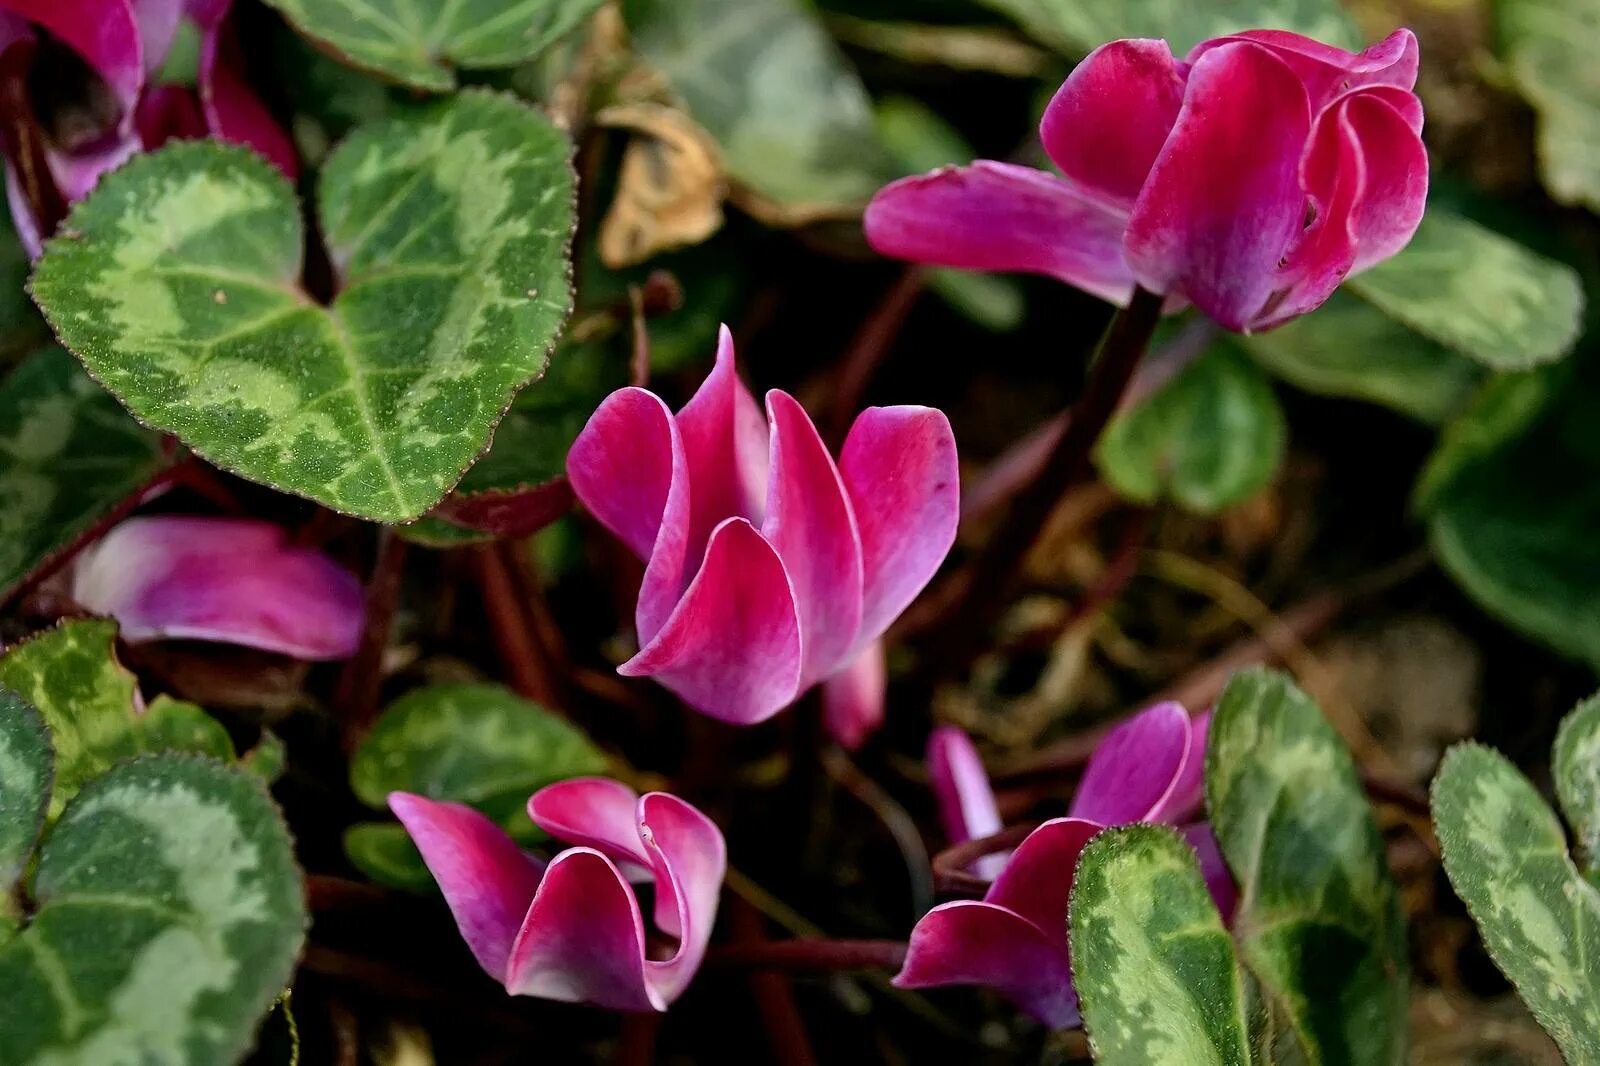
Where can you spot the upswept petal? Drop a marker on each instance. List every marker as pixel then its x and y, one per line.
pixel 998 216
pixel 731 647
pixel 583 940
pixel 233 111
pixel 725 442
pixel 1187 794
pixel 900 470
pixel 810 524
pixel 1396 170
pixel 689 858
pixel 1214 869
pixel 237 581
pixel 1327 71
pixel 103 32
pixel 1134 770
pixel 594 812
pixel 972 943
pixel 1108 121
pixel 486 879
pixel 853 698
pixel 967 807
pixel 1223 201
pixel 158 25
pixel 1038 879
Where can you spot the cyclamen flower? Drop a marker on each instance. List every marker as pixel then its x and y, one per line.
pixel 572 930
pixel 1249 178
pixel 233 580
pixel 769 568
pixel 124 42
pixel 1014 940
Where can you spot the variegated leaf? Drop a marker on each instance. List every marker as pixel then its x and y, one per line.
pixel 1576 767
pixel 1079 26
pixel 1549 46
pixel 422 42
pixel 177 283
pixel 90 702
pixel 166 915
pixel 1318 924
pixel 68 456
pixel 26 763
pixel 385 853
pixel 1154 967
pixel 1506 856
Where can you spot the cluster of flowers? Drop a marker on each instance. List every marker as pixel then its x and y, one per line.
pixel 1247 179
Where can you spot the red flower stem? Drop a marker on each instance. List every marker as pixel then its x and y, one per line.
pixel 773 993
pixel 811 955
pixel 525 657
pixel 362 679
pixel 950 865
pixel 901 826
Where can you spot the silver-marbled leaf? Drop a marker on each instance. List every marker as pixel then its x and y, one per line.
pixel 1154 967
pixel 1506 856
pixel 26 769
pixel 1079 26
pixel 177 282
pixel 166 916
pixel 1575 764
pixel 1549 46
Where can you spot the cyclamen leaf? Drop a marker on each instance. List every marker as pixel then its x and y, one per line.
pixel 1576 766
pixel 1506 856
pixel 169 913
pixel 384 852
pixel 176 282
pixel 1211 437
pixel 1078 26
pixel 1549 45
pixel 68 456
pixel 420 42
pixel 1319 924
pixel 1153 965
pixel 71 676
pixel 26 769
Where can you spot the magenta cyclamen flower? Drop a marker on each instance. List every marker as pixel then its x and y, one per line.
pixel 1248 179
pixel 573 930
pixel 233 580
pixel 124 42
pixel 1014 940
pixel 769 568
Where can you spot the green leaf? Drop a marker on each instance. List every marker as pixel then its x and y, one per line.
pixel 68 456
pixel 768 83
pixel 1154 968
pixel 89 701
pixel 1079 26
pixel 26 769
pixel 1349 348
pixel 1576 767
pixel 176 282
pixel 1506 856
pixel 421 42
pixel 268 759
pixel 1549 45
pixel 1481 294
pixel 1211 437
pixel 168 915
pixel 384 852
pixel 1318 924
pixel 472 743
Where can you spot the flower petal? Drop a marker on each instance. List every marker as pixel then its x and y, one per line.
pixel 731 648
pixel 76 173
pixel 158 25
pixel 583 939
pixel 810 524
pixel 997 216
pixel 1187 794
pixel 166 113
pixel 725 442
pixel 103 32
pixel 1223 201
pixel 1038 878
pixel 1396 191
pixel 233 111
pixel 595 812
pixel 1133 771
pixel 237 581
pixel 967 808
pixel 1327 71
pixel 1224 892
pixel 689 858
pixel 899 467
pixel 1108 121
pixel 486 879
pixel 852 699
pixel 972 943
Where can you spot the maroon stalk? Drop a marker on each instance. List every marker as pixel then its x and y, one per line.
pixel 363 674
pixel 811 955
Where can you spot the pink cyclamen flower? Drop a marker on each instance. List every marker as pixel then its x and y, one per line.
pixel 1149 769
pixel 967 808
pixel 573 930
pixel 232 580
pixel 1249 178
pixel 769 568
pixel 124 42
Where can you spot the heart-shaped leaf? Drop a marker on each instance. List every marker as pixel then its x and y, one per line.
pixel 1506 856
pixel 385 853
pixel 1154 967
pixel 1078 26
pixel 1211 437
pixel 1576 765
pixel 1549 45
pixel 420 42
pixel 177 283
pixel 68 456
pixel 1319 924
pixel 90 702
pixel 166 913
pixel 26 763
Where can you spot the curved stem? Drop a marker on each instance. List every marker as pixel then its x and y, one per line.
pixel 811 955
